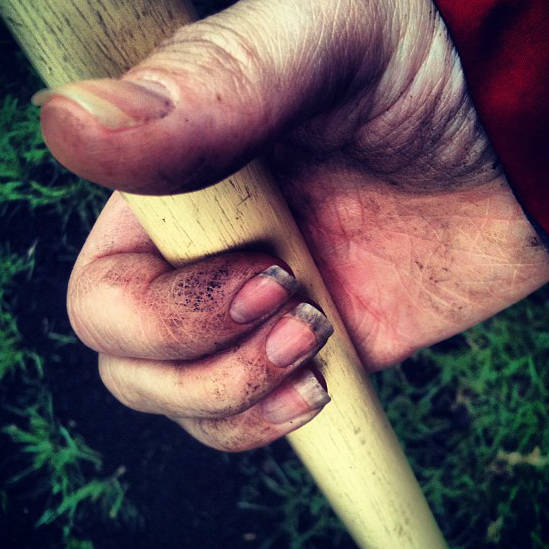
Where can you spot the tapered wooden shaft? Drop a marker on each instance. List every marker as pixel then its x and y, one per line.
pixel 349 448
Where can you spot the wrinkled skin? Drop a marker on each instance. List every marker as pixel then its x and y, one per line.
pixel 362 112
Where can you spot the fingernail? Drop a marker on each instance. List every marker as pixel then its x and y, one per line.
pixel 115 104
pixel 297 335
pixel 293 400
pixel 262 294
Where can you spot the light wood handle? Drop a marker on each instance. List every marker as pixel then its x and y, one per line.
pixel 349 448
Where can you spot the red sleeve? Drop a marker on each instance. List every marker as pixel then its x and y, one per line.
pixel 504 50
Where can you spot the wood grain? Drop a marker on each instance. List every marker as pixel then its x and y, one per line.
pixel 349 448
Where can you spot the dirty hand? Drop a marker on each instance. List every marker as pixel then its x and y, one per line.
pixel 361 110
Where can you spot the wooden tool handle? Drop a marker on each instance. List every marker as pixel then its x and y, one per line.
pixel 349 448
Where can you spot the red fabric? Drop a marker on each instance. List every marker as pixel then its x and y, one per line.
pixel 504 49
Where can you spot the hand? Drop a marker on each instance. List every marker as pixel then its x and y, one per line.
pixel 219 346
pixel 362 111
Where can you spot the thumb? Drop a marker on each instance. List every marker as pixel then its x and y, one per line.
pixel 205 101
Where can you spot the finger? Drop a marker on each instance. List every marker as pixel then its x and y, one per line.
pixel 227 382
pixel 135 304
pixel 116 230
pixel 124 299
pixel 209 97
pixel 291 405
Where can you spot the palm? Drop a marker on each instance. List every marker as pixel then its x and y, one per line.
pixel 407 214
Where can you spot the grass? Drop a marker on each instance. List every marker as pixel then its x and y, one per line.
pixel 281 489
pixel 13 354
pixel 472 412
pixel 473 415
pixel 57 458
pixel 47 464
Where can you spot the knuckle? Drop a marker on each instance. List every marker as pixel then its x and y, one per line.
pixel 101 289
pixel 218 54
pixel 234 50
pixel 79 288
pixel 114 383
